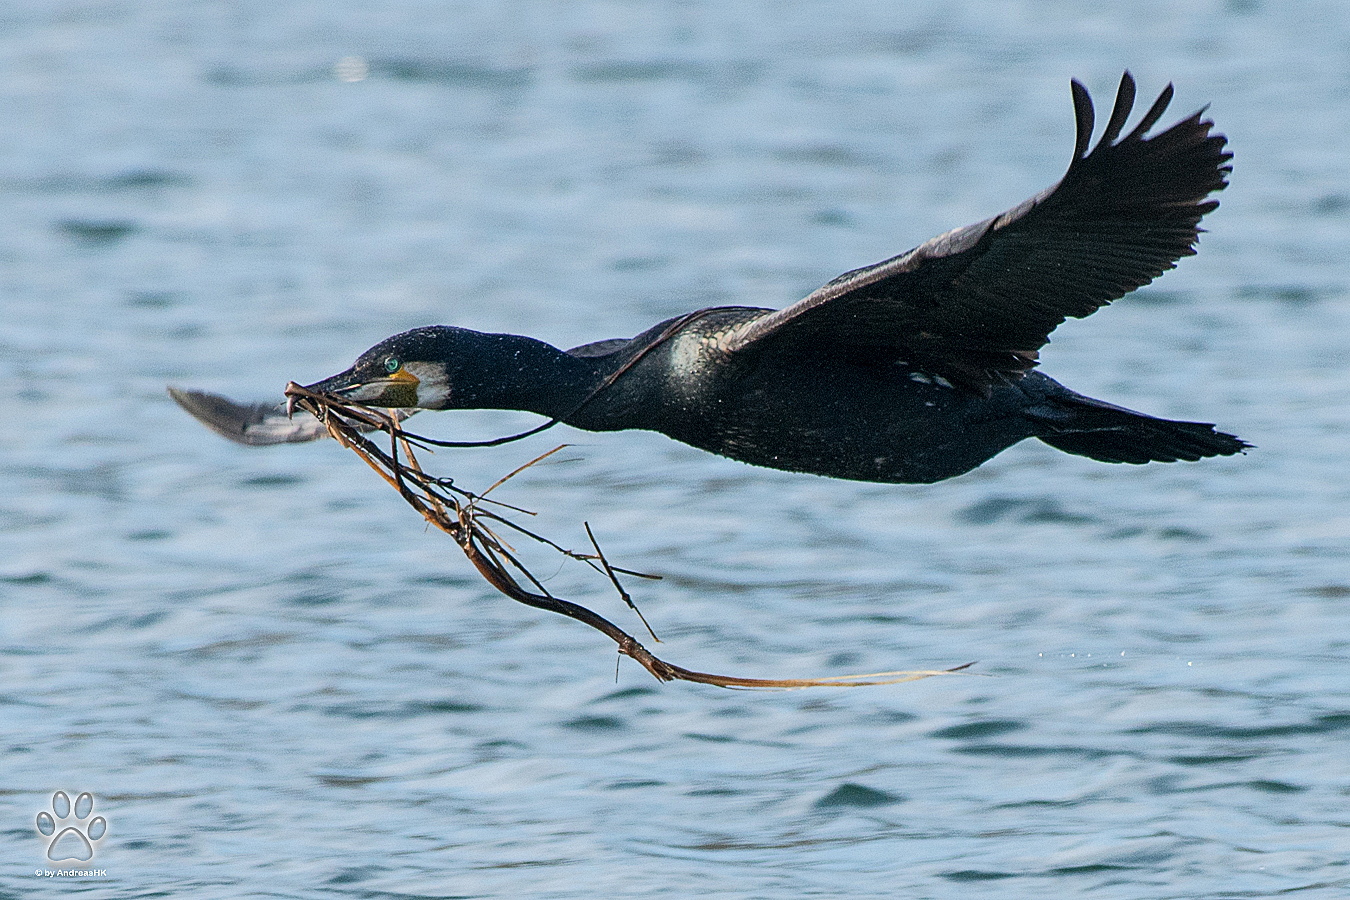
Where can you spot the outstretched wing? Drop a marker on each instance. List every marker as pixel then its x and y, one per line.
pixel 977 303
pixel 255 424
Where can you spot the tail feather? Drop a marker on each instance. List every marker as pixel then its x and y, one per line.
pixel 1108 433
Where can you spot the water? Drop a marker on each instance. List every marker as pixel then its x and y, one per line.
pixel 275 681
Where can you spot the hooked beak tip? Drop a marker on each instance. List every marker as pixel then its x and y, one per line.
pixel 292 397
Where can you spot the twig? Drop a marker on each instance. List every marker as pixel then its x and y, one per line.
pixel 458 513
pixel 614 580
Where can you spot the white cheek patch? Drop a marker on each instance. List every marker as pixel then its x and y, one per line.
pixel 433 389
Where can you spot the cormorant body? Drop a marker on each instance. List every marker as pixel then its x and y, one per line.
pixel 916 369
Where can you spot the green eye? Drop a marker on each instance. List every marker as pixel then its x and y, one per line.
pixel 392 365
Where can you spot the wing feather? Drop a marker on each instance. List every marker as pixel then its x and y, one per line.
pixel 600 348
pixel 978 302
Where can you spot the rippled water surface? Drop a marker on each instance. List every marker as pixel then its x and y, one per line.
pixel 275 681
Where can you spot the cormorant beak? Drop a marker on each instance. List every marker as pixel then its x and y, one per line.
pixel 387 391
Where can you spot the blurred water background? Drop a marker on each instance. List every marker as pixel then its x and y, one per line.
pixel 275 681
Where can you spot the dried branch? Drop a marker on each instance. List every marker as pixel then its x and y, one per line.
pixel 461 514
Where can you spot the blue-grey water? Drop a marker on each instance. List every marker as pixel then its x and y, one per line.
pixel 274 680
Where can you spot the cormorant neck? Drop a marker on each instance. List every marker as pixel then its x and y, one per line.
pixel 510 371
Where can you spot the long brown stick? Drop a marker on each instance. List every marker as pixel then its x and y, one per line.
pixel 460 514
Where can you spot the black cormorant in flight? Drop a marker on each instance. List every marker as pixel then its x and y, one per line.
pixel 916 369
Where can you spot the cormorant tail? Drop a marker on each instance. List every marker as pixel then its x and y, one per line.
pixel 1086 427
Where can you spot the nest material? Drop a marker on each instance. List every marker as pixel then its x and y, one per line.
pixel 463 515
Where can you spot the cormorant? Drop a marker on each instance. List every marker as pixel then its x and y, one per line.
pixel 915 369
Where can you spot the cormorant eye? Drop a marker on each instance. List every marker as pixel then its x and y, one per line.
pixel 392 365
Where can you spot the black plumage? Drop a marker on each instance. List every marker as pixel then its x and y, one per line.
pixel 915 369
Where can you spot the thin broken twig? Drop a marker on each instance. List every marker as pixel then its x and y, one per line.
pixel 461 514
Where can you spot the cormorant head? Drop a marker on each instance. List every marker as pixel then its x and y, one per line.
pixel 406 370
